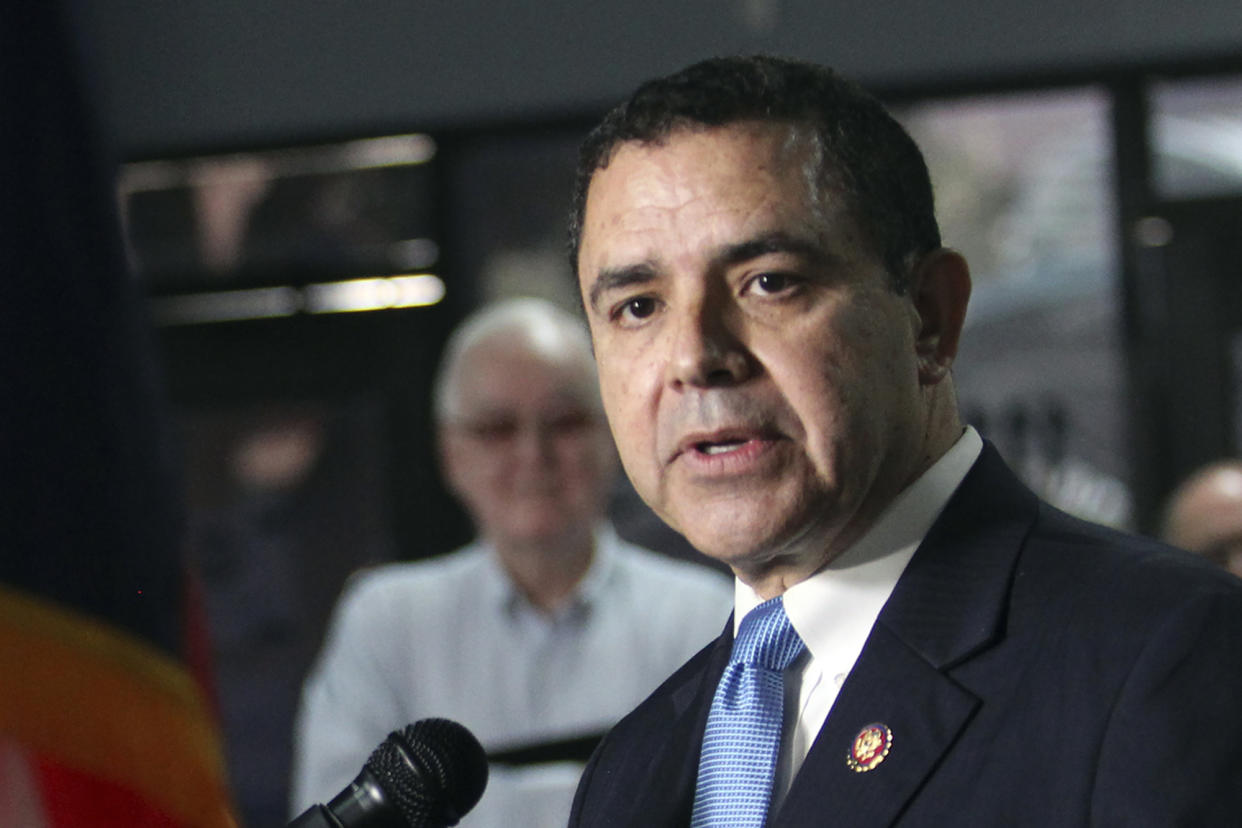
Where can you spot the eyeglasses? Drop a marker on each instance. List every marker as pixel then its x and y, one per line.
pixel 505 428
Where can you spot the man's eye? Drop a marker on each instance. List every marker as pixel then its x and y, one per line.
pixel 492 431
pixel 773 282
pixel 638 308
pixel 571 422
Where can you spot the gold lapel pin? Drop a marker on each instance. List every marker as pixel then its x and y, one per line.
pixel 870 747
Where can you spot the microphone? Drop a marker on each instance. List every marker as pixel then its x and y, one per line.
pixel 427 776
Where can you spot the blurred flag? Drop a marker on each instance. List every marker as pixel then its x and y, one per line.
pixel 103 722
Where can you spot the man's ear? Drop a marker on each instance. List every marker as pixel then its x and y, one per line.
pixel 940 290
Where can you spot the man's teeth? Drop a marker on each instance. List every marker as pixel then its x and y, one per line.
pixel 721 448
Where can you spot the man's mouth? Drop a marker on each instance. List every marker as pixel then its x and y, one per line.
pixel 723 447
pixel 724 443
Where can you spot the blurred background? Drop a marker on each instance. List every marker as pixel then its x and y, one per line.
pixel 314 192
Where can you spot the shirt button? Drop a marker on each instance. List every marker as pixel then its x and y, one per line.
pixel 839 679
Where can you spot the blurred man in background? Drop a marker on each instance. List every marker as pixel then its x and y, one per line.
pixel 1204 514
pixel 541 634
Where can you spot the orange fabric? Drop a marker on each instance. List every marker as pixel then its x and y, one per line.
pixel 86 697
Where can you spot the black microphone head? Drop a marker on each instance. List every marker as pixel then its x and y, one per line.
pixel 434 771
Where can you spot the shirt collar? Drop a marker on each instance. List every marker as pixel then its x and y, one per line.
pixel 500 591
pixel 856 583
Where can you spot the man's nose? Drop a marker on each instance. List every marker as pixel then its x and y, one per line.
pixel 706 351
pixel 533 442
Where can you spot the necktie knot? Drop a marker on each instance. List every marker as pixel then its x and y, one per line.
pixel 765 638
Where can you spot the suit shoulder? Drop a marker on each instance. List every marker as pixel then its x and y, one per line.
pixel 672 698
pixel 1118 569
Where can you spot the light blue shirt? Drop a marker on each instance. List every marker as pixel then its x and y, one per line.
pixel 453 638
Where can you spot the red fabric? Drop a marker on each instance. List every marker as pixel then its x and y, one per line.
pixel 72 799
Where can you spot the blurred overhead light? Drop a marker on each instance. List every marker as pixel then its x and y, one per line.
pixel 375 294
pixel 349 296
pixel 391 151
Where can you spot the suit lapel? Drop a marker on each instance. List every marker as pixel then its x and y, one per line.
pixel 674 735
pixel 922 710
pixel 948 606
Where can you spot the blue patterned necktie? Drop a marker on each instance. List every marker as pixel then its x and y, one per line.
pixel 743 735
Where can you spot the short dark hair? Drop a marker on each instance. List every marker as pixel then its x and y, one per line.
pixel 863 150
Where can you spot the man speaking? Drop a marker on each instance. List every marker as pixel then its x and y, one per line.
pixel 917 639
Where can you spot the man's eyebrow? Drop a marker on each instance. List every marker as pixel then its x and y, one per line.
pixel 611 278
pixel 618 278
pixel 775 242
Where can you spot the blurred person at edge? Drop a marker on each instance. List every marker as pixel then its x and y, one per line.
pixel 775 321
pixel 543 632
pixel 1204 514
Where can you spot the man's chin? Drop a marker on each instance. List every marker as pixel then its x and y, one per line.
pixel 744 550
pixel 551 533
pixel 732 551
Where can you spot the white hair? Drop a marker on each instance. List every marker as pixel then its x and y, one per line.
pixel 537 325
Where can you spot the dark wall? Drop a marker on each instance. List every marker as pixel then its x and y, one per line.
pixel 206 73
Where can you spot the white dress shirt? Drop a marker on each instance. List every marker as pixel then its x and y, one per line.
pixel 834 610
pixel 452 637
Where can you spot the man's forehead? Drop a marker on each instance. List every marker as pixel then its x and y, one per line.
pixel 502 368
pixel 633 200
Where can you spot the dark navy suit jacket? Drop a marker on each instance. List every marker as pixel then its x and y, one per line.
pixel 1033 670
